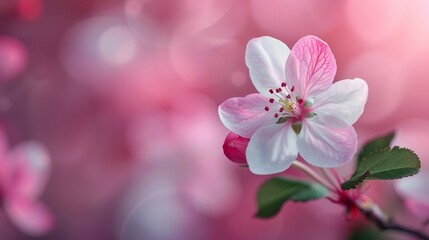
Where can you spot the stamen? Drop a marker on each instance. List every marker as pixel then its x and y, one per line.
pixel 280 96
pixel 290 103
pixel 283 94
pixel 267 108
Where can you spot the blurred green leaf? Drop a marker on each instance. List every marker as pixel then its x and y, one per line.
pixel 366 233
pixel 376 144
pixel 383 165
pixel 276 191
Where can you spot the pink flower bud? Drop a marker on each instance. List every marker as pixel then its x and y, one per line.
pixel 234 148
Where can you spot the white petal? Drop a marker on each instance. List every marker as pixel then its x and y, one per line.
pixel 272 149
pixel 342 104
pixel 322 146
pixel 266 59
pixel 245 115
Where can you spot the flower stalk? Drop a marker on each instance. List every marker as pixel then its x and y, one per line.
pixel 311 173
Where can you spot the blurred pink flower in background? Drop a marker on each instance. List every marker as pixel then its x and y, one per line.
pixel 188 137
pixel 181 169
pixel 414 134
pixel 24 172
pixel 415 191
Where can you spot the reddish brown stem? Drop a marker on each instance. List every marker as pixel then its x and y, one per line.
pixel 374 214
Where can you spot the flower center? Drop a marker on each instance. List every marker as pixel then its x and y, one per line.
pixel 289 104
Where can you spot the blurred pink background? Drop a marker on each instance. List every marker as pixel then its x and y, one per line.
pixel 124 96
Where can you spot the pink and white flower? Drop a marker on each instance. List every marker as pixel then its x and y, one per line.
pixel 24 172
pixel 298 109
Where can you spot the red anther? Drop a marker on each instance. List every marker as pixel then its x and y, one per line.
pixel 271 100
pixel 283 84
pixel 300 101
pixel 288 96
pixel 292 89
pixel 276 115
pixel 271 91
pixel 281 109
pixel 277 90
pixel 267 109
pixel 280 89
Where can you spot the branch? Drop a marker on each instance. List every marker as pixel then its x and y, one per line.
pixel 373 213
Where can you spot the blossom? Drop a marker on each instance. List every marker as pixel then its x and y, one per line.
pixel 297 109
pixel 23 176
pixel 235 147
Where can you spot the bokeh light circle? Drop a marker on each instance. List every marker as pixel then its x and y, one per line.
pixel 154 21
pixel 13 58
pixel 201 62
pixel 99 49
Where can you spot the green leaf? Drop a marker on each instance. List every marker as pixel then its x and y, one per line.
pixel 354 181
pixel 376 144
pixel 384 164
pixel 276 191
pixel 367 233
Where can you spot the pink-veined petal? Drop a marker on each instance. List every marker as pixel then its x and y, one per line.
pixel 327 147
pixel 272 149
pixel 245 115
pixel 266 59
pixel 342 104
pixel 311 66
pixel 29 216
pixel 28 169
